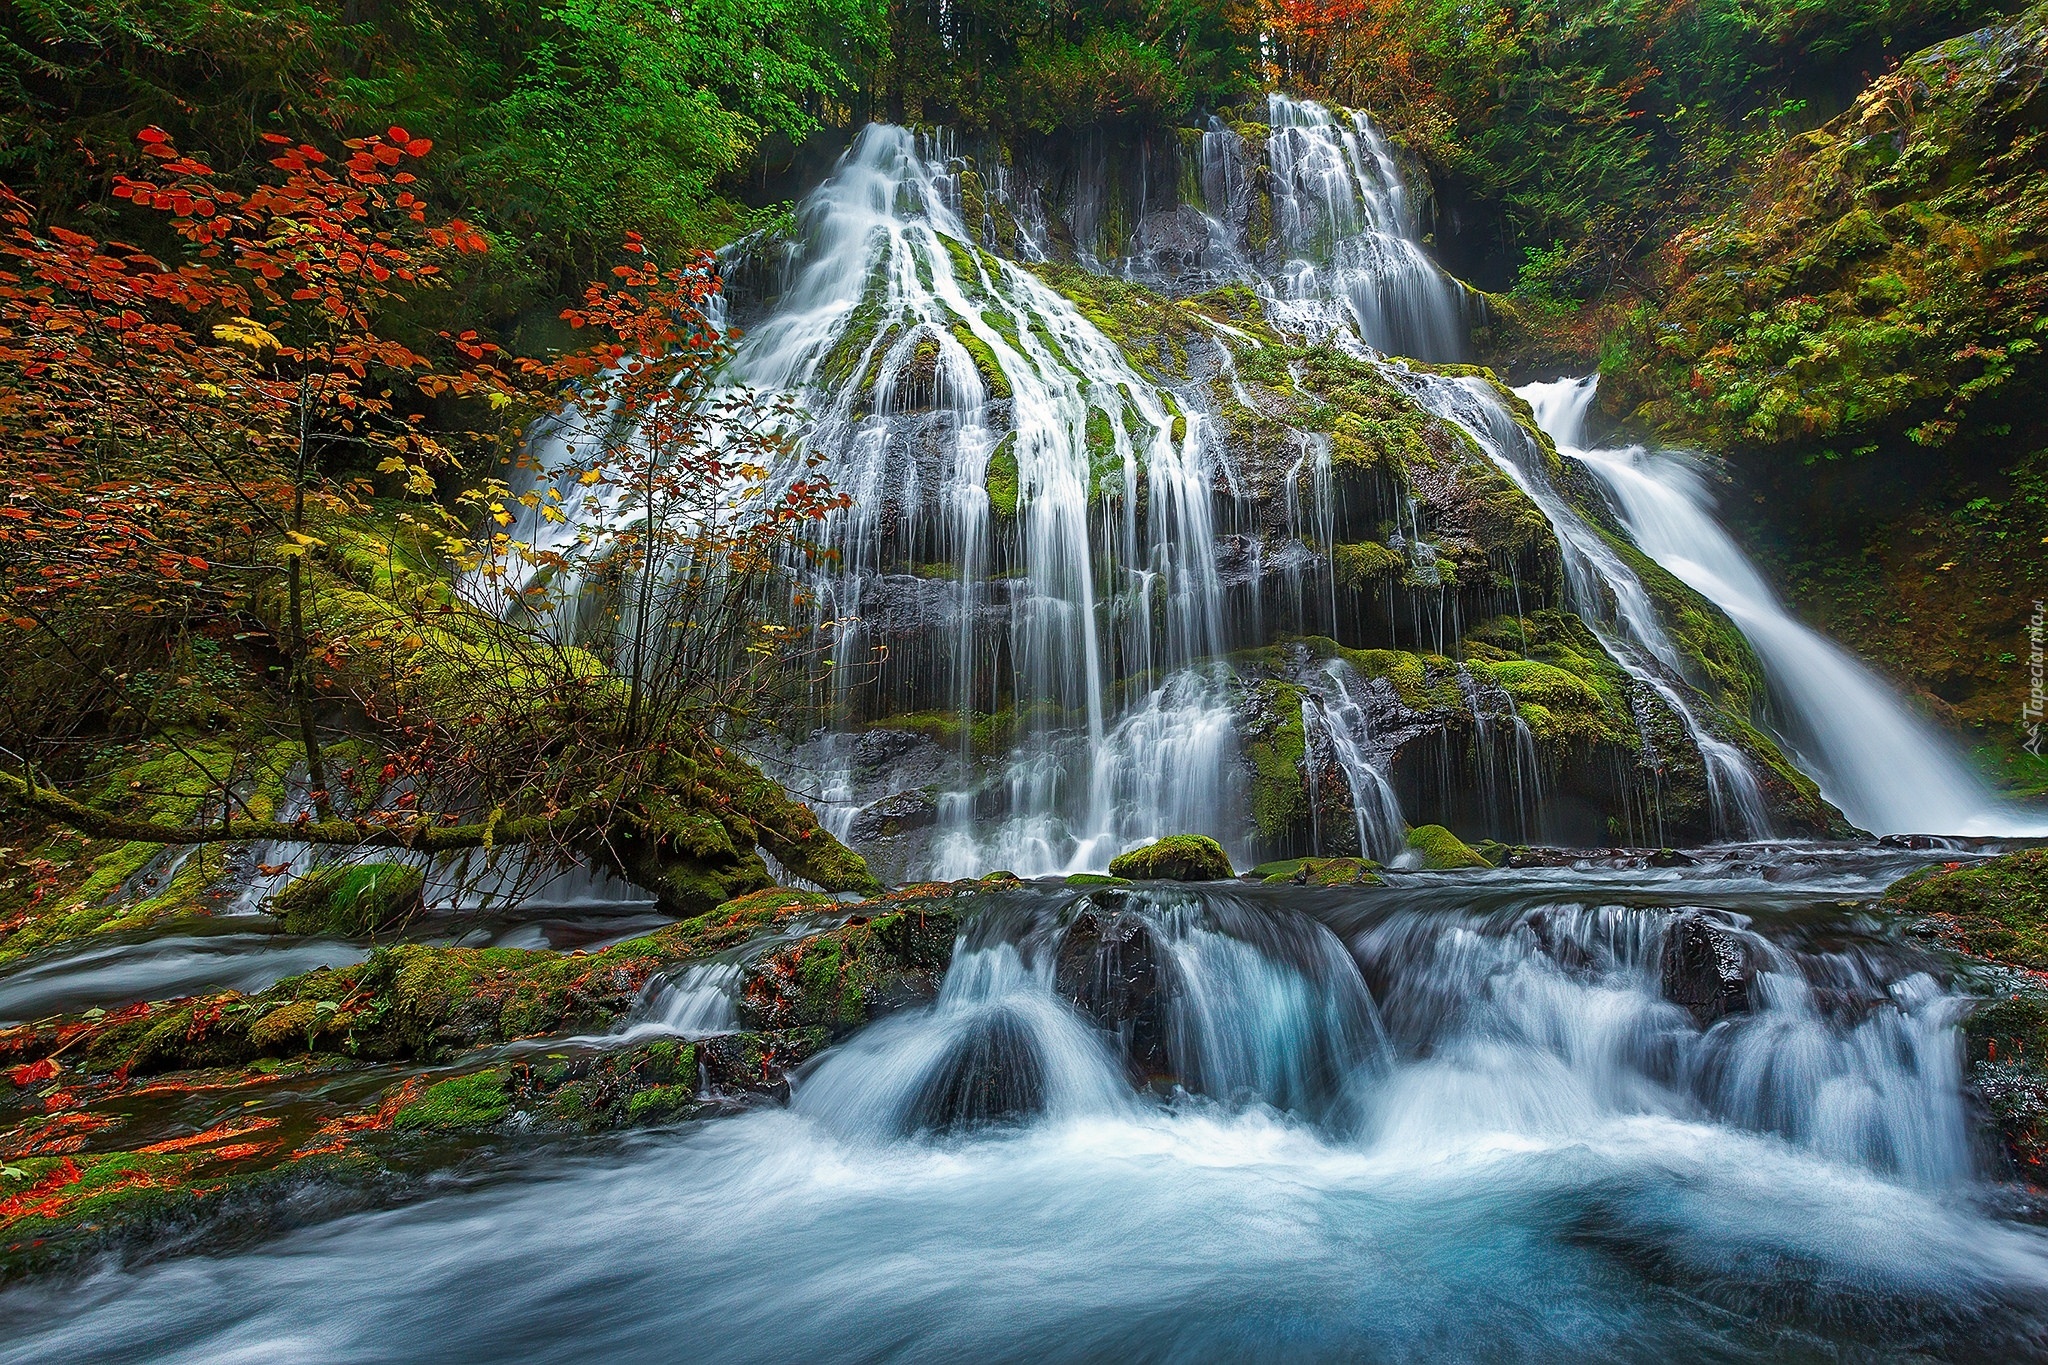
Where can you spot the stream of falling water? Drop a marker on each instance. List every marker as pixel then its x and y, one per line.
pixel 1888 769
pixel 1601 588
pixel 1457 1118
pixel 998 585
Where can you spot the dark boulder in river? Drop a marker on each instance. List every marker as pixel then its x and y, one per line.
pixel 1707 970
pixel 1113 969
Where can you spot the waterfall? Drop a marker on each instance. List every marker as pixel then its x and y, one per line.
pixel 1599 587
pixel 1336 715
pixel 1888 769
pixel 1055 586
pixel 1028 572
pixel 1348 262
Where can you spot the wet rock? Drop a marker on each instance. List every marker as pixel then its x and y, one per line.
pixel 1111 968
pixel 1559 947
pixel 1671 857
pixel 994 1076
pixel 1173 241
pixel 893 814
pixel 1318 872
pixel 1176 858
pixel 1707 970
pixel 878 751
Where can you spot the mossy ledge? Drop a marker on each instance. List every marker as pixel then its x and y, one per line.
pixel 1176 858
pixel 1994 913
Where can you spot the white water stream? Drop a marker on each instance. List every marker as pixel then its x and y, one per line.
pixel 1452 1120
pixel 1889 769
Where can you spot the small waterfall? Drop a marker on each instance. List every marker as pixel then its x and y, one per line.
pixel 1345 235
pixel 1888 769
pixel 1336 715
pixel 696 1003
pixel 1600 587
pixel 998 1045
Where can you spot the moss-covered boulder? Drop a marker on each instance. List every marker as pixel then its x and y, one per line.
pixel 351 899
pixel 1319 872
pixel 1441 849
pixel 1996 909
pixel 841 978
pixel 1176 858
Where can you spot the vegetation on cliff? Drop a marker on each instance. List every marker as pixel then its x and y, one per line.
pixel 1862 337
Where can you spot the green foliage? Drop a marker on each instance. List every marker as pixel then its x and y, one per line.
pixel 351 899
pixel 1003 66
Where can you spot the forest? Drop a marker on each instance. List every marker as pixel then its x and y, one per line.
pixel 900 658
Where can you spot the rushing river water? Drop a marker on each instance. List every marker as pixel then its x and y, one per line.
pixel 1455 1118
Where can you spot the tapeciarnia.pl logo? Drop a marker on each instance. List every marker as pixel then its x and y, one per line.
pixel 2037 682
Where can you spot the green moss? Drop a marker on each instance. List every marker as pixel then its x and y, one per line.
pixel 1176 858
pixel 839 978
pixel 1366 567
pixel 992 376
pixel 1001 480
pixel 1441 849
pixel 1084 880
pixel 351 899
pixel 1275 741
pixel 1999 907
pixel 1320 872
pixel 473 1101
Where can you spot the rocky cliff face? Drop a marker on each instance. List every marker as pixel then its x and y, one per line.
pixel 1153 530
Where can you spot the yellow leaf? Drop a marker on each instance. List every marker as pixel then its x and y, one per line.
pixel 246 332
pixel 412 642
pixel 590 476
pixel 501 400
pixel 390 464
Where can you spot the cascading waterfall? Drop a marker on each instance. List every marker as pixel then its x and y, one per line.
pixel 1032 548
pixel 1599 587
pixel 1889 770
pixel 1349 267
pixel 1050 596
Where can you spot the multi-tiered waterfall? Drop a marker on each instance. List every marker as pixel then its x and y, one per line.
pixel 1118 533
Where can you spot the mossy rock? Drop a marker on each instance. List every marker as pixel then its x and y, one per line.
pixel 351 899
pixel 1998 908
pixel 474 1101
pixel 1320 872
pixel 840 978
pixel 1176 858
pixel 1442 850
pixel 1086 880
